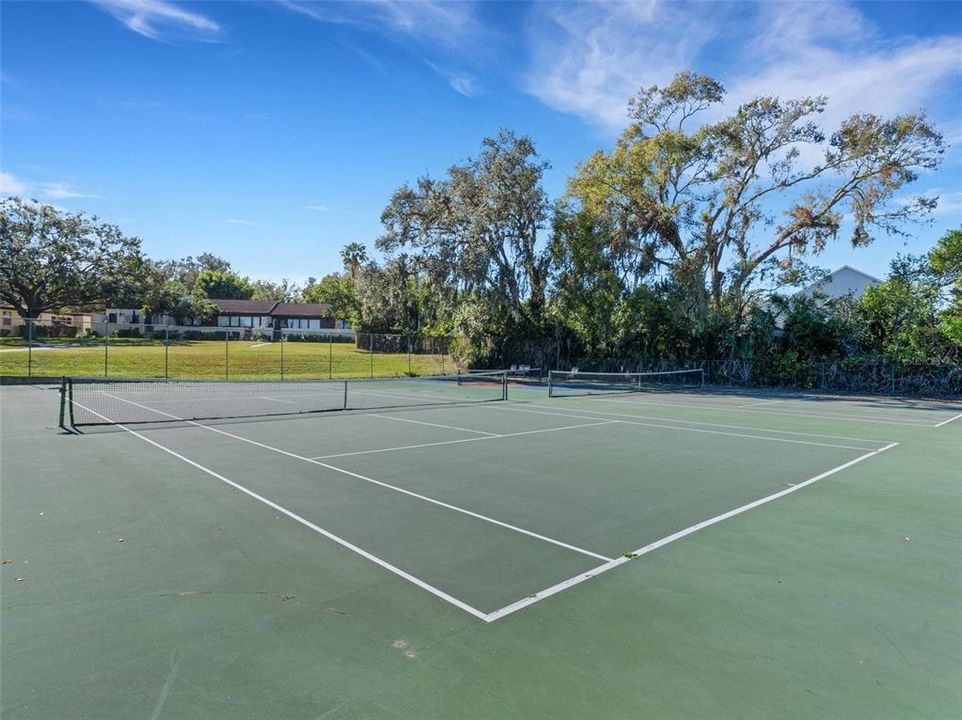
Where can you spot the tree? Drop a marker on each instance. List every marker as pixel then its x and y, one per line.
pixel 384 301
pixel 711 204
pixel 354 255
pixel 186 270
pixel 476 231
pixel 171 297
pixel 337 291
pixel 945 264
pixel 51 258
pixel 224 284
pixel 283 291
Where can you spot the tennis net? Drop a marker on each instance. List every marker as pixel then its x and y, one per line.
pixel 106 401
pixel 565 383
pixel 517 374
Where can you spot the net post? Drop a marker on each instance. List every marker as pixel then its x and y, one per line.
pixel 70 400
pixel 504 386
pixel 63 401
pixel 344 407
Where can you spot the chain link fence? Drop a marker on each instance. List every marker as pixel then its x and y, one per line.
pixel 51 349
pixel 45 349
pixel 861 376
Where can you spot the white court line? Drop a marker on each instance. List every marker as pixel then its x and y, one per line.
pixel 511 406
pixel 760 402
pixel 437 592
pixel 726 408
pixel 431 424
pixel 547 592
pixel 440 399
pixel 349 473
pixel 464 440
pixel 661 426
pixel 946 422
pixel 264 397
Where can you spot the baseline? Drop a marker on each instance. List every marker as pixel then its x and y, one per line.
pixel 946 422
pixel 650 547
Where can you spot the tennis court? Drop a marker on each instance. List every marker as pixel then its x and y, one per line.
pixel 477 528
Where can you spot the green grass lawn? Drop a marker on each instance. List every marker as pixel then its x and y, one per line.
pixel 244 359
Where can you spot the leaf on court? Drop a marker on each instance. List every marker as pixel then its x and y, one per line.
pixel 120 539
pixel 285 598
pixel 7 561
pixel 19 579
pixel 630 555
pixel 908 538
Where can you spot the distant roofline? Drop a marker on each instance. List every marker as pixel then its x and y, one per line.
pixel 815 285
pixel 856 270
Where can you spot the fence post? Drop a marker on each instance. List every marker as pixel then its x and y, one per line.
pixel 370 349
pixel 226 354
pixel 166 351
pixel 106 344
pixel 409 354
pixel 29 329
pixel 282 357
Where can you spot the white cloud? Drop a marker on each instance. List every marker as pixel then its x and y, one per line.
pixel 10 185
pixel 846 64
pixel 448 24
pixel 461 82
pixel 150 17
pixel 237 221
pixel 62 191
pixel 319 207
pixel 588 59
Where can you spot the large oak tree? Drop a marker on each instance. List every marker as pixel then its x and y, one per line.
pixel 50 258
pixel 710 203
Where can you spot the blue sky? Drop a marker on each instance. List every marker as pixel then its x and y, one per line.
pixel 273 133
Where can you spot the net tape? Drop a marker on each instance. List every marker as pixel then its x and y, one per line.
pixel 106 401
pixel 563 383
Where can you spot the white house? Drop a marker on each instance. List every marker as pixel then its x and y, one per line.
pixel 844 281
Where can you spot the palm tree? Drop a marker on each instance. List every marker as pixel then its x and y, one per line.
pixel 354 255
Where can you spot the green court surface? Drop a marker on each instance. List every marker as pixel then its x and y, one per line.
pixel 687 554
